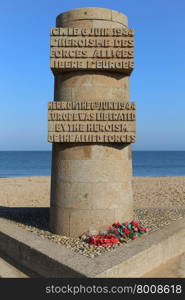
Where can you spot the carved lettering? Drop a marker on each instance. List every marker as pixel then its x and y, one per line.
pixel 86 52
pixel 85 105
pixel 91 127
pixel 91 116
pixel 91 138
pixel 57 41
pixel 83 121
pixel 110 49
pixel 119 65
pixel 119 31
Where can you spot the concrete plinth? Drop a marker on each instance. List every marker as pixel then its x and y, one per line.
pixel 90 182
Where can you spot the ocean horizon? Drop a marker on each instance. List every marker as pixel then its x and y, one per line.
pixel 145 163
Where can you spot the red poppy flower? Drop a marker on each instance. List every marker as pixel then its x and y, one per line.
pixel 135 229
pixel 142 229
pixel 103 240
pixel 116 224
pixel 135 223
pixel 118 232
pixel 126 231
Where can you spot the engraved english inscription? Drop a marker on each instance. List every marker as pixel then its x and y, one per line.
pixel 112 122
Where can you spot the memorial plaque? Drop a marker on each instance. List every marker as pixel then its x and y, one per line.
pixel 110 49
pixel 83 122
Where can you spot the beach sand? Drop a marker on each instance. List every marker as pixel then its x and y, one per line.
pixel 154 192
pixel 158 201
pixel 25 192
pixel 159 191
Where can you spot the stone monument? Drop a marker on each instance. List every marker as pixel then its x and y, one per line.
pixel 91 122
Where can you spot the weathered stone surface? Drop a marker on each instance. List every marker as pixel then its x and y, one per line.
pixel 79 86
pixel 91 182
pixel 96 218
pixel 91 13
pixel 60 220
pixel 83 195
pixel 84 13
pixel 91 171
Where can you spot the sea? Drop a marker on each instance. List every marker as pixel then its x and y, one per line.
pixel 145 163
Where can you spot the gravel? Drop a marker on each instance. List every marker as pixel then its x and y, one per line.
pixel 158 201
pixel 154 218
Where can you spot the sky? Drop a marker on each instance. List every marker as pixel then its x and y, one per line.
pixel 157 82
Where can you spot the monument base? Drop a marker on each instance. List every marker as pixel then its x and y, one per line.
pixel 91 187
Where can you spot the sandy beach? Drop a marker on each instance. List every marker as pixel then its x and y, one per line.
pixel 153 192
pixel 25 192
pixel 157 200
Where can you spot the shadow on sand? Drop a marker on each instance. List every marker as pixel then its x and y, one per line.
pixel 31 216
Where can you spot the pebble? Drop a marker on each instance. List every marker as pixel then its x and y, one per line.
pixel 154 218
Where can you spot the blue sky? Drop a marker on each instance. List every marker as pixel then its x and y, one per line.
pixel 157 83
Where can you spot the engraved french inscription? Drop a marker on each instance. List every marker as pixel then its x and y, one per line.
pixel 57 52
pixel 110 49
pixel 58 41
pixel 66 64
pixel 83 121
pixel 82 31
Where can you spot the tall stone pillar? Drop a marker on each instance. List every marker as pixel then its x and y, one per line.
pixel 91 59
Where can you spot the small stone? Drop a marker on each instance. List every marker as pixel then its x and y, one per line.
pixel 91 232
pixel 122 240
pixel 83 237
pixel 103 232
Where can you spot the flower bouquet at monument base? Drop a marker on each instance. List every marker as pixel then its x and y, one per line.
pixel 119 233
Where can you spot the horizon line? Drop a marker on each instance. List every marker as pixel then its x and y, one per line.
pixel 51 150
